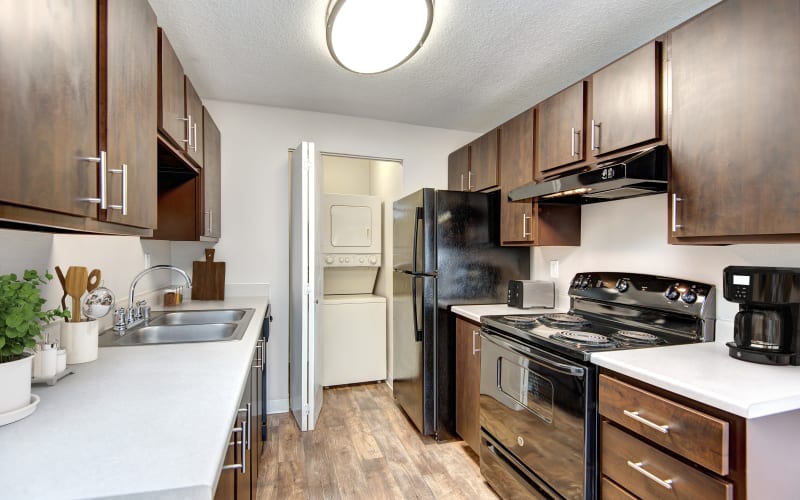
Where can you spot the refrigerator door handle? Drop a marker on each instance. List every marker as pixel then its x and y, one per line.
pixel 418 217
pixel 417 330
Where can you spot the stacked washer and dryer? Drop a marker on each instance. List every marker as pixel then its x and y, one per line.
pixel 353 318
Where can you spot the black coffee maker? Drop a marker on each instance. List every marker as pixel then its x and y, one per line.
pixel 767 326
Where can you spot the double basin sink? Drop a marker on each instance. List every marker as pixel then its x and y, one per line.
pixel 178 327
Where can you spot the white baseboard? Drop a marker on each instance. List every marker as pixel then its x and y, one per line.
pixel 277 406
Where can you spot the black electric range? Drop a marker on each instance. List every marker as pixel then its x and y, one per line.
pixel 540 363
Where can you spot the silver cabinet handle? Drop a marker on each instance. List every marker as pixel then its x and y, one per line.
pixel 637 466
pixel 664 429
pixel 242 455
pixel 101 165
pixel 188 121
pixel 259 353
pixel 194 134
pixel 246 425
pixel 124 172
pixel 475 350
pixel 525 218
pixel 572 142
pixel 469 180
pixel 249 424
pixel 595 145
pixel 675 200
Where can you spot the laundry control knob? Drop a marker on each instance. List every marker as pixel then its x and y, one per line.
pixel 622 285
pixel 672 293
pixel 373 260
pixel 329 259
pixel 347 259
pixel 341 259
pixel 361 260
pixel 690 297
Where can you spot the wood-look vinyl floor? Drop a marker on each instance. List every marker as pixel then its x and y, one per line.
pixel 364 447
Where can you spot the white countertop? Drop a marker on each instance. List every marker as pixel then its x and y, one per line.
pixel 706 373
pixel 139 422
pixel 474 312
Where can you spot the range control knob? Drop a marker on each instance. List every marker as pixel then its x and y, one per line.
pixel 672 293
pixel 329 259
pixel 622 285
pixel 373 259
pixel 585 283
pixel 690 297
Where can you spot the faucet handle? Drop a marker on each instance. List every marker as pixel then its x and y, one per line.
pixel 119 317
pixel 141 307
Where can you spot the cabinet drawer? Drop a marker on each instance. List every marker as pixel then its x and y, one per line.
pixel 649 473
pixel 695 435
pixel 609 490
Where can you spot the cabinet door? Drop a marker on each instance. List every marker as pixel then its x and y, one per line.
pixel 458 169
pixel 131 95
pixel 244 479
pixel 516 164
pixel 560 137
pixel 468 382
pixel 483 172
pixel 212 165
pixel 735 122
pixel 172 120
pixel 626 101
pixel 48 104
pixel 226 486
pixel 194 117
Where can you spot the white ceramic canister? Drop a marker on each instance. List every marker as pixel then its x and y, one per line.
pixel 15 390
pixel 80 341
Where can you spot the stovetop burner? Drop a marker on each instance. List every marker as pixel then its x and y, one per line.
pixel 594 339
pixel 520 320
pixel 638 337
pixel 563 319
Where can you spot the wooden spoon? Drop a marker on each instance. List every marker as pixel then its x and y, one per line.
pixel 76 279
pixel 93 281
pixel 61 280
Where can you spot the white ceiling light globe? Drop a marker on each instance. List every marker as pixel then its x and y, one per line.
pixel 371 36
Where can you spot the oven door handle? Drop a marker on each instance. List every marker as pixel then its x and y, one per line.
pixel 574 371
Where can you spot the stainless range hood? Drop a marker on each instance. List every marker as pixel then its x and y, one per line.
pixel 638 174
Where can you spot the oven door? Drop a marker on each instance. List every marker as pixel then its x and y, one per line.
pixel 538 409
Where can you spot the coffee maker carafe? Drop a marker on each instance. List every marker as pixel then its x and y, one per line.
pixel 767 326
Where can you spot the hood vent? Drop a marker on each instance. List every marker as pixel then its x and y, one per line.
pixel 638 174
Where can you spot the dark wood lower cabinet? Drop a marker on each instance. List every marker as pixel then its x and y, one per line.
pixel 238 479
pixel 468 382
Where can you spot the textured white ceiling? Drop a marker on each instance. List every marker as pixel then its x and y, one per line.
pixel 484 60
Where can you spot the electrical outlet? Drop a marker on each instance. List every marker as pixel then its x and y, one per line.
pixel 554 269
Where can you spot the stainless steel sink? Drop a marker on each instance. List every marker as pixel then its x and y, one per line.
pixel 183 327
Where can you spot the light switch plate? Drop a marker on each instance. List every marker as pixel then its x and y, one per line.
pixel 554 269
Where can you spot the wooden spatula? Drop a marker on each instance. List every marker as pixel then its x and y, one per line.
pixel 75 285
pixel 93 281
pixel 62 280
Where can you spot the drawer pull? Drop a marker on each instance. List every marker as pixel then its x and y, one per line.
pixel 637 466
pixel 664 429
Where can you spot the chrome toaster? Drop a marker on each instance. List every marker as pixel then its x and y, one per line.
pixel 529 293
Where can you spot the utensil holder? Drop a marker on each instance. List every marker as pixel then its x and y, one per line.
pixel 80 341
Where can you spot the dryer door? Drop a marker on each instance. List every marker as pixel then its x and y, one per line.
pixel 351 226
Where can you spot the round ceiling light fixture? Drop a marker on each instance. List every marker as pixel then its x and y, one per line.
pixel 373 36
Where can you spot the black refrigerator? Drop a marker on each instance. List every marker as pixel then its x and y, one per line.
pixel 446 252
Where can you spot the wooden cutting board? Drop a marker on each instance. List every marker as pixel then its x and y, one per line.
pixel 208 278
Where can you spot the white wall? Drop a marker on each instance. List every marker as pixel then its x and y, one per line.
pixel 255 183
pixel 631 235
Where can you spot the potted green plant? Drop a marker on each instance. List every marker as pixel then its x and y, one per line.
pixel 21 320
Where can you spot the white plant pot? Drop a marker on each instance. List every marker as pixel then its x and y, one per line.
pixel 15 388
pixel 80 341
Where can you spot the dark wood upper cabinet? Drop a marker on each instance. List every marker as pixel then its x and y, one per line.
pixel 458 169
pixel 483 169
pixel 626 101
pixel 212 200
pixel 559 137
pixel 194 117
pixel 49 105
pixel 468 382
pixel 735 123
pixel 172 119
pixel 129 69
pixel 516 165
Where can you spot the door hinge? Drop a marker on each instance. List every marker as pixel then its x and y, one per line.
pixel 307 289
pixel 306 410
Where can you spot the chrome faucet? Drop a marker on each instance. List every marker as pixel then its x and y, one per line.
pixel 139 312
